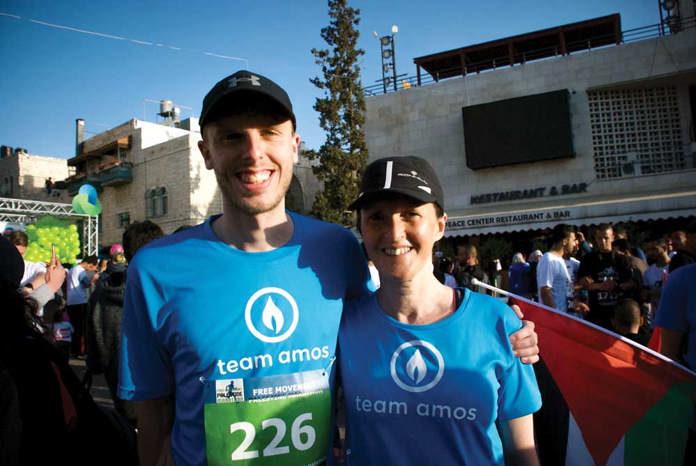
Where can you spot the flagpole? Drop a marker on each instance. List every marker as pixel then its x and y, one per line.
pixel 479 283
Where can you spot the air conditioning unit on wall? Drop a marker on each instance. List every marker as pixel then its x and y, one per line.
pixel 632 166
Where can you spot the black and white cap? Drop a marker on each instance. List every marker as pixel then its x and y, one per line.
pixel 408 176
pixel 243 82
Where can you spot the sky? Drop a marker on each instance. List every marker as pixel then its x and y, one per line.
pixel 110 61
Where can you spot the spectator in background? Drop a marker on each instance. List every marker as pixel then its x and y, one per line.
pixel 676 317
pixel 637 268
pixel 48 417
pixel 584 246
pixel 677 239
pixel 31 269
pixel 106 309
pixel 468 266
pixel 621 246
pixel 39 282
pixel 555 287
pixel 49 185
pixel 606 276
pixel 655 276
pixel 79 284
pixel 685 248
pixel 447 268
pixel 519 273
pixel 534 257
pixel 137 235
pixel 620 233
pixel 628 321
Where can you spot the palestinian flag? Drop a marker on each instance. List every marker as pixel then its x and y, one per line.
pixel 606 399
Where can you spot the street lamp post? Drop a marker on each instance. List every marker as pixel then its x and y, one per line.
pixel 388 58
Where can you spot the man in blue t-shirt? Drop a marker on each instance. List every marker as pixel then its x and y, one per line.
pixel 676 317
pixel 237 364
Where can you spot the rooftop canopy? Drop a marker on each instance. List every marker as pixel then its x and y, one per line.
pixel 560 40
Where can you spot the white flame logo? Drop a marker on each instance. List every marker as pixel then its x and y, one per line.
pixel 272 317
pixel 415 367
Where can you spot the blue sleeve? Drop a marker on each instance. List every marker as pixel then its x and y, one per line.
pixel 671 313
pixel 519 393
pixel 84 279
pixel 145 372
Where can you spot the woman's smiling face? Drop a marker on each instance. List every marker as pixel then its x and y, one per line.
pixel 399 234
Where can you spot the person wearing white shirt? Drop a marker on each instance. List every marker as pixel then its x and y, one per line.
pixel 554 283
pixel 79 283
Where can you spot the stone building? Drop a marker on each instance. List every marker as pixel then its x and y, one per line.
pixel 24 176
pixel 582 124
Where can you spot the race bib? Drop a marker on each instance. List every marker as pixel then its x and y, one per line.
pixel 278 420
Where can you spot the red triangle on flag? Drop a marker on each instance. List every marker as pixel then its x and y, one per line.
pixel 608 383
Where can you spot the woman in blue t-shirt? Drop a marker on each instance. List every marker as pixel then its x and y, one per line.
pixel 428 372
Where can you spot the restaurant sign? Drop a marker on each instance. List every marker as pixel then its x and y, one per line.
pixel 497 220
pixel 531 193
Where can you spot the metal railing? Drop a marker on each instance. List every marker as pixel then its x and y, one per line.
pixel 520 58
pixel 27 211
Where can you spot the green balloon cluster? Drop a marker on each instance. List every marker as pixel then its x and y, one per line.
pixel 49 231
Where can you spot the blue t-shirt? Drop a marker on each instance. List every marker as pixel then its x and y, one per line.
pixel 677 309
pixel 430 394
pixel 217 327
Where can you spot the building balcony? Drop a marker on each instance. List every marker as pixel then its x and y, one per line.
pixel 114 173
pixel 73 183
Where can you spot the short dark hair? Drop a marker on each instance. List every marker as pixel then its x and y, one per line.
pixel 469 249
pixel 445 264
pixel 18 238
pixel 561 232
pixel 628 312
pixel 621 245
pixel 91 259
pixel 604 227
pixel 137 235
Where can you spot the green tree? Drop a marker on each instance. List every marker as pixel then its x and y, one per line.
pixel 343 155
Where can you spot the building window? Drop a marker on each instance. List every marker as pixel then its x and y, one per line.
pixel 123 219
pixel 7 187
pixel 121 154
pixel 635 131
pixel 156 202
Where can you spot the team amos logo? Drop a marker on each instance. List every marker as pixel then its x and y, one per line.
pixel 417 366
pixel 271 315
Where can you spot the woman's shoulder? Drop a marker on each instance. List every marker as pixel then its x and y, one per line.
pixel 492 308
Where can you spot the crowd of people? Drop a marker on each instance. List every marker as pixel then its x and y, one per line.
pixel 56 312
pixel 260 318
pixel 606 280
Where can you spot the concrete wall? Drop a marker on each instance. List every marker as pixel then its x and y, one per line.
pixel 29 173
pixel 170 164
pixel 427 121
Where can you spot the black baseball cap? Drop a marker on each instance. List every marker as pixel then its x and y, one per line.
pixel 243 82
pixel 408 176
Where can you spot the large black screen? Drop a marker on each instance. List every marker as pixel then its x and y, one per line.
pixel 520 130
